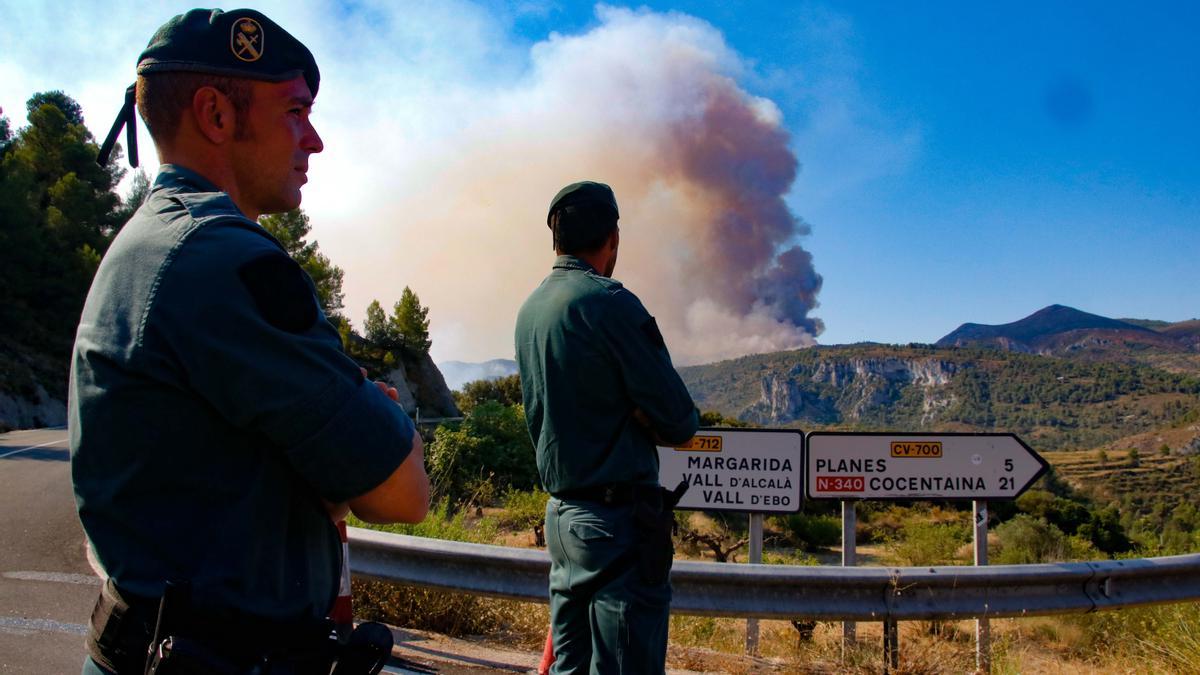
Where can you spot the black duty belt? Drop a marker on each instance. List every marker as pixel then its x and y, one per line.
pixel 122 626
pixel 615 494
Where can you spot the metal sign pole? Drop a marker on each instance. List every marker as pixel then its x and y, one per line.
pixel 891 646
pixel 756 551
pixel 983 647
pixel 849 559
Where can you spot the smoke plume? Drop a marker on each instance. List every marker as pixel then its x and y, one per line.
pixel 649 103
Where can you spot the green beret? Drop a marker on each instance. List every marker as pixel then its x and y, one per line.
pixel 584 193
pixel 240 43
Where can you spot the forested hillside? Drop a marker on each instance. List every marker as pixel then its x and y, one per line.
pixel 1053 403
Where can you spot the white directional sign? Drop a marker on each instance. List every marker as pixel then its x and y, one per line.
pixel 752 470
pixel 919 466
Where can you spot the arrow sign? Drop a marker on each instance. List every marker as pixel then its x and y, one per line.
pixel 749 470
pixel 920 466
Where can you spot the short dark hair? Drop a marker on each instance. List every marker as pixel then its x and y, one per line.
pixel 582 228
pixel 162 98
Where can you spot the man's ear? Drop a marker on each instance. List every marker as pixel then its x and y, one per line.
pixel 214 114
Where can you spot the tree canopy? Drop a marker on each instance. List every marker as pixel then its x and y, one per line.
pixel 410 321
pixel 58 212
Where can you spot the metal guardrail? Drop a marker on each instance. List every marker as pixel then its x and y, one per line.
pixel 789 591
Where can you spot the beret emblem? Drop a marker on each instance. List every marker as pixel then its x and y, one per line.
pixel 246 40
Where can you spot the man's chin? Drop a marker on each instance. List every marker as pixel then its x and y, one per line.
pixel 283 206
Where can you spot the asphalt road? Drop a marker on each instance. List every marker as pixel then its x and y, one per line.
pixel 47 586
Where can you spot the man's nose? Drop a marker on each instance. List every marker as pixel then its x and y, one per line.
pixel 312 140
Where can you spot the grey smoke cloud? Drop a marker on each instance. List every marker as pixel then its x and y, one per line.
pixel 742 161
pixel 451 199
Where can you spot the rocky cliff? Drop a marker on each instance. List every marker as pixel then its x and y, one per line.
pixel 421 386
pixel 831 390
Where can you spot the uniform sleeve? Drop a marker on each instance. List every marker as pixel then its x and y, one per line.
pixel 242 324
pixel 650 379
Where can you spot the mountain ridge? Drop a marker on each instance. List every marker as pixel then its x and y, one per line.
pixel 1058 330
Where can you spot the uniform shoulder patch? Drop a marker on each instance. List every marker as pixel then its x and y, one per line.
pixel 280 292
pixel 650 328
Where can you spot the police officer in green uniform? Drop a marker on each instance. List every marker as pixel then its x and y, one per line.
pixel 600 392
pixel 216 426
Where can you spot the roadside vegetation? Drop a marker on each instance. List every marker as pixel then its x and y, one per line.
pixel 1089 507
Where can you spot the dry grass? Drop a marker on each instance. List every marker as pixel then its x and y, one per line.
pixel 520 624
pixel 1027 646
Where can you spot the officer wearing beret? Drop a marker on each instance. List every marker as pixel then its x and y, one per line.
pixel 600 392
pixel 216 425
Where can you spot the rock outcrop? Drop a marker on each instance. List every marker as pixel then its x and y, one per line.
pixel 421 386
pixel 835 389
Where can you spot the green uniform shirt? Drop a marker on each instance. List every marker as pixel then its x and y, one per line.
pixel 212 408
pixel 589 354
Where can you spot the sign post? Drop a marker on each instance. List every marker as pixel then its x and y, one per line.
pixel 983 640
pixel 901 466
pixel 756 551
pixel 849 559
pixel 747 470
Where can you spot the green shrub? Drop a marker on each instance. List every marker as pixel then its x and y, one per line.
pixel 526 510
pixel 491 444
pixel 1105 531
pixel 1065 514
pixel 505 391
pixel 442 522
pixel 923 543
pixel 1026 540
pixel 810 532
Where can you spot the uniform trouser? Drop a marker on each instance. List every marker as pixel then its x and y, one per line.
pixel 90 667
pixel 605 618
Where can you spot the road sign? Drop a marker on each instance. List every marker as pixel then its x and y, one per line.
pixel 919 466
pixel 749 470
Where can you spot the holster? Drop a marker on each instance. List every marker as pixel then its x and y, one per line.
pixel 131 635
pixel 655 523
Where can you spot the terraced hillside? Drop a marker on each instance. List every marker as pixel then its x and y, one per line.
pixel 1137 480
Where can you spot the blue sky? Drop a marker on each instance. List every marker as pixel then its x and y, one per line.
pixel 960 162
pixel 1037 153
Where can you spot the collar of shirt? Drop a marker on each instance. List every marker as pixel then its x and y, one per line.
pixel 175 176
pixel 570 262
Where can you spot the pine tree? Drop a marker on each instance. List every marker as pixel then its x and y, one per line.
pixel 57 211
pixel 377 326
pixel 411 322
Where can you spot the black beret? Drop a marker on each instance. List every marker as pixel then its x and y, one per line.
pixel 584 193
pixel 239 43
